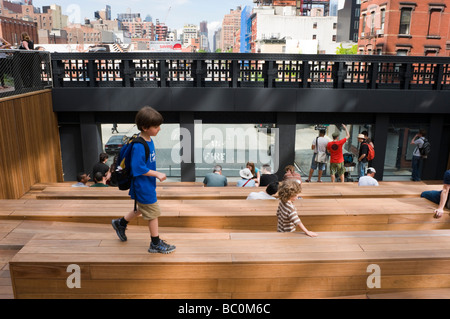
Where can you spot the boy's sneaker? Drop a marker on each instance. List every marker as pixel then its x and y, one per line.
pixel 162 247
pixel 120 230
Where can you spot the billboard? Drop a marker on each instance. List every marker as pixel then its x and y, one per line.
pixel 165 46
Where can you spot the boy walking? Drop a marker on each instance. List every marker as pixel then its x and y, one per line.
pixel 143 187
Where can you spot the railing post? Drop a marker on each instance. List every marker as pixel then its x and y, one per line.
pixel 438 77
pixel 305 70
pixel 92 73
pixel 199 67
pixel 127 72
pixel 269 73
pixel 405 76
pixel 162 70
pixel 234 74
pixel 373 75
pixel 339 73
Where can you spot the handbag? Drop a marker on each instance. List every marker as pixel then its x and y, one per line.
pixel 321 157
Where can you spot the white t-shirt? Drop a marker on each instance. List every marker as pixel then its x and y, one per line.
pixel 322 141
pixel 259 195
pixel 367 181
pixel 419 144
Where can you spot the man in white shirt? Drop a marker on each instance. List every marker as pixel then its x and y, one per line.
pixel 319 144
pixel 271 191
pixel 369 179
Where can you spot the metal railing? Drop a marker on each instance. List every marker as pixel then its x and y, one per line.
pixel 250 70
pixel 23 71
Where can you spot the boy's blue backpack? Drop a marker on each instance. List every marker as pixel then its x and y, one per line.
pixel 123 173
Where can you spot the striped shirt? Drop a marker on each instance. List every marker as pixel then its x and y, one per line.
pixel 287 217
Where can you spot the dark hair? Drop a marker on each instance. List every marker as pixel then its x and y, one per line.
pixel 103 156
pixel 148 117
pixel 98 177
pixel 80 176
pixel 422 132
pixel 272 188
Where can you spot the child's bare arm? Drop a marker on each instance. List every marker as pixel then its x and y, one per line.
pixel 161 176
pixel 307 232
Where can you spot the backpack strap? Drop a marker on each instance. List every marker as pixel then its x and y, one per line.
pixel 140 140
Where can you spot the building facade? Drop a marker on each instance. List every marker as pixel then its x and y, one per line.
pixel 231 23
pixel 414 28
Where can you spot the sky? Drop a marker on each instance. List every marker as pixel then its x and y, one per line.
pixel 174 13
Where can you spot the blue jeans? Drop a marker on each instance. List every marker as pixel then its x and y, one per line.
pixel 434 196
pixel 416 165
pixel 362 168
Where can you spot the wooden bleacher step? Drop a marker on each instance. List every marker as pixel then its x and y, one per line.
pixel 244 265
pixel 339 214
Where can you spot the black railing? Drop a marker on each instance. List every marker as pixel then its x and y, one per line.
pixel 250 70
pixel 23 71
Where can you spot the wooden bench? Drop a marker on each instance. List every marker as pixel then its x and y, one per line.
pixel 313 190
pixel 245 265
pixel 332 214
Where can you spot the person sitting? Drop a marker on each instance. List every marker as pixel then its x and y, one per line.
pixel 270 193
pixel 82 179
pixel 247 179
pixel 291 173
pixel 100 180
pixel 101 165
pixel 215 179
pixel 267 177
pixel 255 172
pixel 440 197
pixel 369 179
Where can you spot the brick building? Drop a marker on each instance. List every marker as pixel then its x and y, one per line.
pixel 29 13
pixel 11 30
pixel 413 28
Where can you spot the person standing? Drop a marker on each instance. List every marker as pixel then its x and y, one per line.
pixel 417 158
pixel 143 188
pixel 336 155
pixel 362 156
pixel 319 145
pixel 3 61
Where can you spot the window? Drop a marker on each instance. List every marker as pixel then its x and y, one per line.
pixel 314 37
pixel 315 25
pixel 434 22
pixel 372 23
pixel 383 19
pixel 405 21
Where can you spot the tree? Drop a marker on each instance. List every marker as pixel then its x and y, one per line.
pixel 341 50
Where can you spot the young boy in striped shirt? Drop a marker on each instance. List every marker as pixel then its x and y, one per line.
pixel 288 219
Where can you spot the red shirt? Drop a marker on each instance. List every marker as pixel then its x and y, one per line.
pixel 335 149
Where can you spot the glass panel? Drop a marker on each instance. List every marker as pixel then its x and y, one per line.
pixel 232 146
pixel 166 145
pixel 306 135
pixel 399 151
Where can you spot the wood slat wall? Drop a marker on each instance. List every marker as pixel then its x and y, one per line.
pixel 29 143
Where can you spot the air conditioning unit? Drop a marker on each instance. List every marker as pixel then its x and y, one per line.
pixel 380 32
pixel 362 35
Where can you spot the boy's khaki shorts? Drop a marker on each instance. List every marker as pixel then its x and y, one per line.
pixel 149 211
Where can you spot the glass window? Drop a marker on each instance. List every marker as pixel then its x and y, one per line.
pixel 405 21
pixel 306 135
pixel 232 146
pixel 167 145
pixel 399 150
